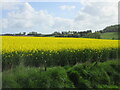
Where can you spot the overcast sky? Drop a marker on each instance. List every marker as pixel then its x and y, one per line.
pixel 47 17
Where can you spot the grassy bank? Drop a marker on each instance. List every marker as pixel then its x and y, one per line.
pixel 86 75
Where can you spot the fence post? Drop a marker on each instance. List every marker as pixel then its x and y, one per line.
pixel 45 65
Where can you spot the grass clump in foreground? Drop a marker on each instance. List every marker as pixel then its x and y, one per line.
pixel 24 77
pixel 95 75
pixel 86 75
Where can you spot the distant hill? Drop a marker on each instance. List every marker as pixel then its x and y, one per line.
pixel 110 32
pixel 112 28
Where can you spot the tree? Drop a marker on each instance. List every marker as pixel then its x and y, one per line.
pixel 24 33
pixel 32 33
pixel 56 33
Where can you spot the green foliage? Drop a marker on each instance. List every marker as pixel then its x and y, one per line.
pixel 108 86
pixel 74 77
pixel 60 58
pixel 86 75
pixel 59 78
pixel 95 75
pixel 8 81
pixel 26 77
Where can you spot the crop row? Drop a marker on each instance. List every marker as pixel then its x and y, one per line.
pixel 40 58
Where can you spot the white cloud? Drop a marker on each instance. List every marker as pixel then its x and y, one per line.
pixel 67 7
pixel 26 18
pixel 98 14
pixel 92 15
pixel 9 4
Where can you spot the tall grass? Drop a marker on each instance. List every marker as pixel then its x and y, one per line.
pixel 86 75
pixel 100 75
pixel 26 77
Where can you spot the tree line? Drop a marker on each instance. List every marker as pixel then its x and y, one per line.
pixel 84 34
pixel 77 34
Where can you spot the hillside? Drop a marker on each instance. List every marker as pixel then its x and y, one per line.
pixel 112 28
pixel 109 35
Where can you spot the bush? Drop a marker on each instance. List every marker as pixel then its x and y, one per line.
pixel 89 75
pixel 74 77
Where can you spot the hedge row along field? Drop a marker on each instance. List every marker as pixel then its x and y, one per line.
pixel 38 51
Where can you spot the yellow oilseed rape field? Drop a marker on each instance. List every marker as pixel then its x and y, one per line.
pixel 14 43
pixel 36 51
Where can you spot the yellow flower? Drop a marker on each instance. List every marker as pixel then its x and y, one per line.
pixel 14 43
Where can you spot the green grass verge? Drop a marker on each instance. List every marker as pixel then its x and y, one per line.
pixel 86 75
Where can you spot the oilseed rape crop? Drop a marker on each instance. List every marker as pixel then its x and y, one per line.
pixel 10 44
pixel 35 51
